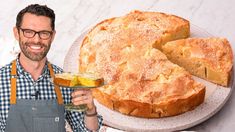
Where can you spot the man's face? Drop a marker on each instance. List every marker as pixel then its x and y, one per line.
pixel 34 48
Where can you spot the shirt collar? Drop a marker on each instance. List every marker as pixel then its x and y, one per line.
pixel 21 71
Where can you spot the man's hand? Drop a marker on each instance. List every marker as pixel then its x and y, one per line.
pixel 84 96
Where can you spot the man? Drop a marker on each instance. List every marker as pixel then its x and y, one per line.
pixel 29 102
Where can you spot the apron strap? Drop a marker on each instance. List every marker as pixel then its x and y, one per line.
pixel 57 89
pixel 13 83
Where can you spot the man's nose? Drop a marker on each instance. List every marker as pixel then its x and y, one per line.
pixel 36 37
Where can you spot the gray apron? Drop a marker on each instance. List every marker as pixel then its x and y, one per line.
pixel 35 115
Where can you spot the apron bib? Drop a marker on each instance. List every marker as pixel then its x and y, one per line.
pixel 35 115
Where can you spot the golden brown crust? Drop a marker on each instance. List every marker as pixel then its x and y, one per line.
pixel 65 79
pixel 62 82
pixel 146 110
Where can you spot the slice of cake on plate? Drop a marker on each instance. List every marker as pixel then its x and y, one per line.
pixel 208 58
pixel 77 79
pixel 65 79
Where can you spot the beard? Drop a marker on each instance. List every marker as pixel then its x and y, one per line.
pixel 25 48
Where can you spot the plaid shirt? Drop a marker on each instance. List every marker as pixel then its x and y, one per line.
pixel 27 87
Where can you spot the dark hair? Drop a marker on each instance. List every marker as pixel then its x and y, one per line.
pixel 39 10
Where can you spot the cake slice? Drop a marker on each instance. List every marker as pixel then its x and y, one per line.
pixel 82 79
pixel 66 79
pixel 207 58
pixel 90 80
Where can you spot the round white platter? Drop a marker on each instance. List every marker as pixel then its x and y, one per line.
pixel 216 97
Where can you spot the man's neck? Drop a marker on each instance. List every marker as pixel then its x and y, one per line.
pixel 35 68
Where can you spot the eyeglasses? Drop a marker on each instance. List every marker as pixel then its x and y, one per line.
pixel 28 33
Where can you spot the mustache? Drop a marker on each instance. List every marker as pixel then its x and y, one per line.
pixel 35 44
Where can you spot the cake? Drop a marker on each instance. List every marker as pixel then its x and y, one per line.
pixel 65 79
pixel 151 87
pixel 78 79
pixel 90 80
pixel 208 58
pixel 139 29
pixel 141 81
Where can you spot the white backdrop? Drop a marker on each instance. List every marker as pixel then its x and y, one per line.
pixel 75 16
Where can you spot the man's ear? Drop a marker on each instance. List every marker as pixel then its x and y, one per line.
pixel 16 33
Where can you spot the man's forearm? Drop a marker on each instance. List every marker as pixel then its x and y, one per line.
pixel 91 119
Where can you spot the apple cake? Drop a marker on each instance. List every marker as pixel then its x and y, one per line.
pixel 151 86
pixel 90 80
pixel 208 58
pixel 141 81
pixel 67 79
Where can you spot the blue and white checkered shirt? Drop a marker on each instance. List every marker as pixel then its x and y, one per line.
pixel 26 88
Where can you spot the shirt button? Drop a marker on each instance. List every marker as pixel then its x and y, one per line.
pixel 34 109
pixel 57 119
